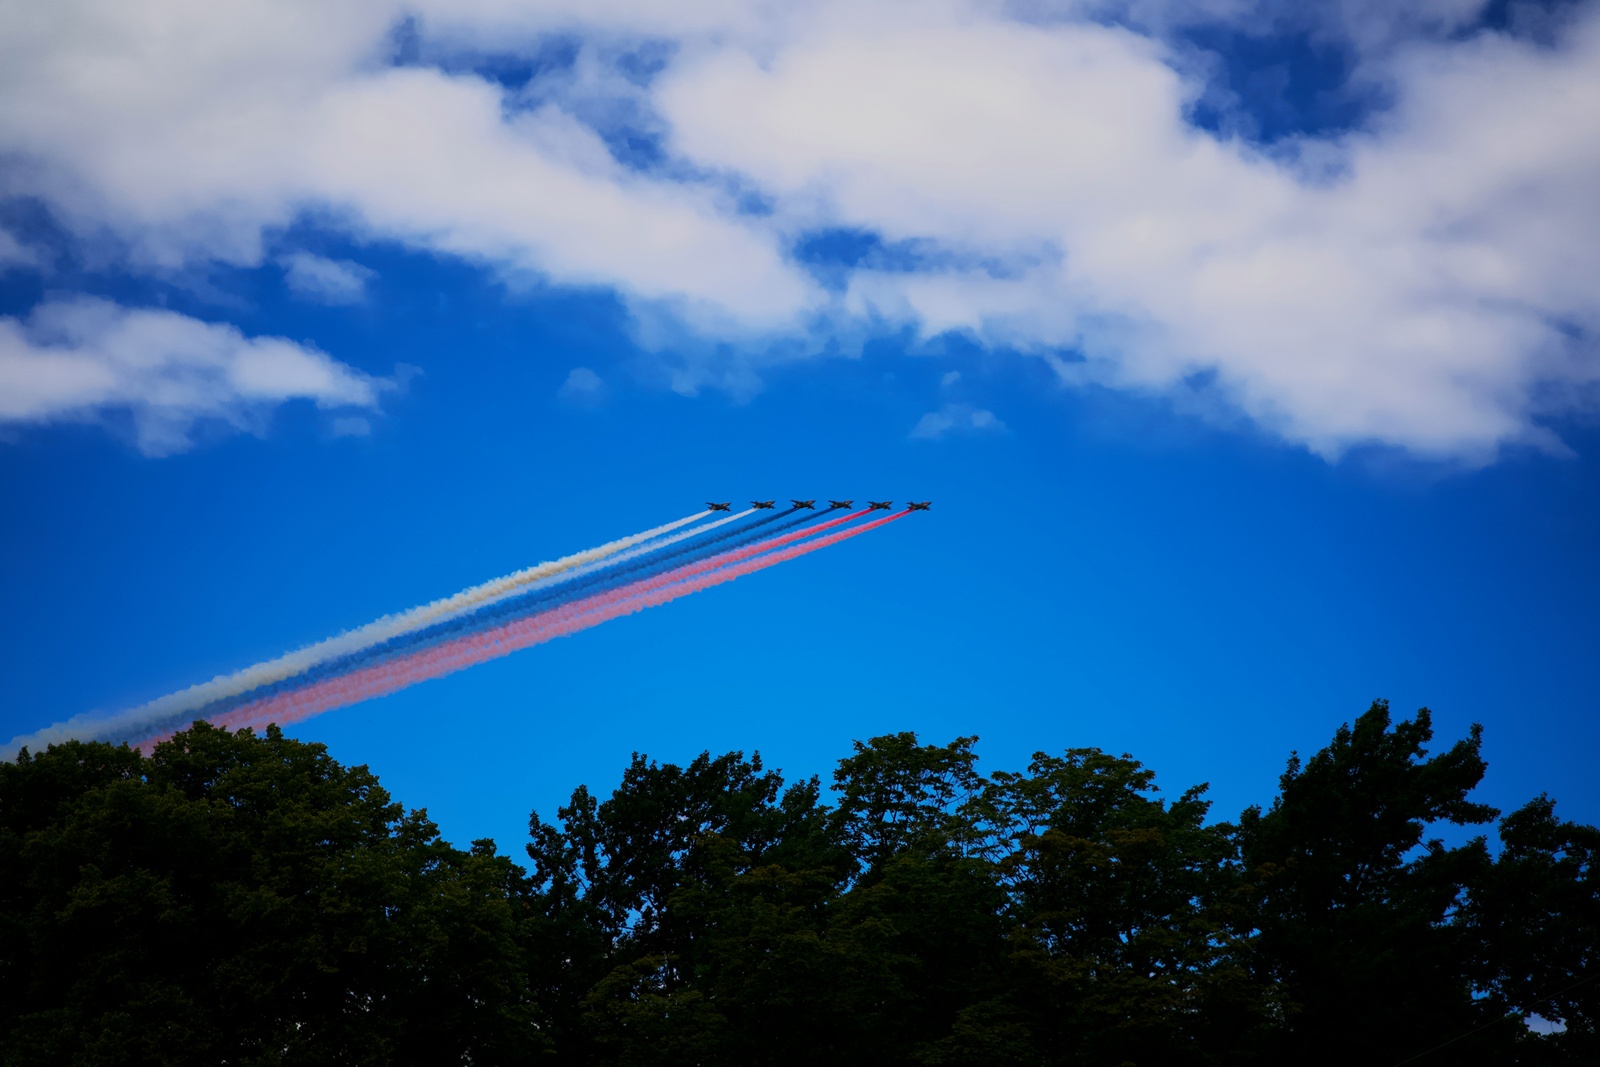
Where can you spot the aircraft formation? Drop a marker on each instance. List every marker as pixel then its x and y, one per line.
pixel 833 505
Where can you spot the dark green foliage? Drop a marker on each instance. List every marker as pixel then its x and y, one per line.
pixel 1354 903
pixel 898 797
pixel 1121 905
pixel 1535 922
pixel 234 899
pixel 242 899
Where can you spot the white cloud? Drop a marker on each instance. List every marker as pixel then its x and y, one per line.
pixel 1427 281
pixel 956 418
pixel 78 359
pixel 951 377
pixel 1421 298
pixel 583 388
pixel 190 145
pixel 13 253
pixel 328 281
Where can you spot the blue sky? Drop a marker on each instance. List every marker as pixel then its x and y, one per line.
pixel 1246 351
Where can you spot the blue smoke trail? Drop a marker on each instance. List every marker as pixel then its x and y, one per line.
pixel 558 591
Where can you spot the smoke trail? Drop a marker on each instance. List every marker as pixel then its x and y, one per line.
pixel 471 649
pixel 735 554
pixel 511 605
pixel 608 575
pixel 612 569
pixel 689 559
pixel 605 563
pixel 651 549
pixel 514 604
pixel 801 516
pixel 187 701
pixel 692 571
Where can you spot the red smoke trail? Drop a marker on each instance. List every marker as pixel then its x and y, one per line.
pixel 733 555
pixel 472 649
pixel 633 591
pixel 437 660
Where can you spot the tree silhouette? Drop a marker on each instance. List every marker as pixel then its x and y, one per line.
pixel 244 899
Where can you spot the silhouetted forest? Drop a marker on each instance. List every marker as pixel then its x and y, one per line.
pixel 235 899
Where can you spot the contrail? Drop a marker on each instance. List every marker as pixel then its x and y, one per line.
pixel 199 696
pixel 471 649
pixel 735 554
pixel 609 576
pixel 692 571
pixel 605 576
pixel 651 549
pixel 603 564
pixel 595 578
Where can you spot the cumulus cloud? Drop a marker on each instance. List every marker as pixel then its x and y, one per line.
pixel 78 359
pixel 1425 281
pixel 1418 296
pixel 327 281
pixel 191 145
pixel 957 418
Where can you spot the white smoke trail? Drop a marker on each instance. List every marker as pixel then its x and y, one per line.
pixel 90 724
pixel 609 562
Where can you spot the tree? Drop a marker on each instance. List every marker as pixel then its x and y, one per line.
pixel 687 891
pixel 243 899
pixel 923 915
pixel 1121 903
pixel 1353 916
pixel 1535 919
pixel 247 900
pixel 896 795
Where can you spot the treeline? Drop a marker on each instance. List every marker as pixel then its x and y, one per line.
pixel 235 899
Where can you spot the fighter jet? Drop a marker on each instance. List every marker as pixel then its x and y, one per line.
pixel 762 504
pixel 720 507
pixel 834 505
pixel 807 504
pixel 879 505
pixel 914 506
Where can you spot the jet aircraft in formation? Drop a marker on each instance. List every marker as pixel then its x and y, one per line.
pixel 833 505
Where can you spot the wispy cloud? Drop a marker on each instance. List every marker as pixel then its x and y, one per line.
pixel 79 359
pixel 327 281
pixel 1426 281
pixel 583 388
pixel 13 253
pixel 956 418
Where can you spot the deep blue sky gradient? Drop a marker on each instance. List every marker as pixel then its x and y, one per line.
pixel 1106 571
